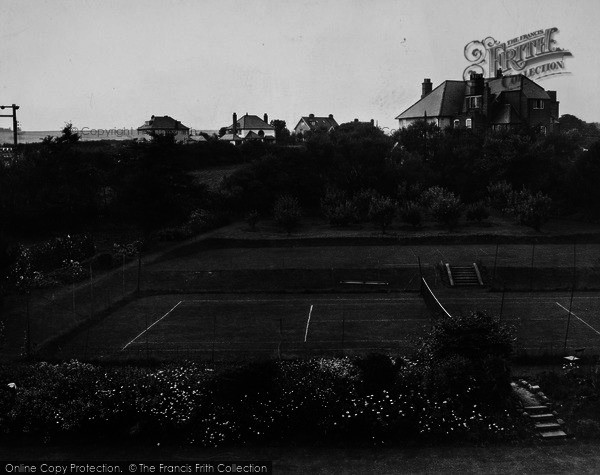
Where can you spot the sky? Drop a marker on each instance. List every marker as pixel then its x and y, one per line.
pixel 105 64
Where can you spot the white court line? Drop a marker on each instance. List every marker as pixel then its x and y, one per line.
pixel 308 323
pixel 582 321
pixel 174 307
pixel 291 300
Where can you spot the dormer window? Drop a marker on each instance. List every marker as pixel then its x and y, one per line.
pixel 473 102
pixel 538 103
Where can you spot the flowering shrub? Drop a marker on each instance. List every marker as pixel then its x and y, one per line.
pixel 321 399
pixel 445 206
pixel 51 254
pixel 338 209
pixel 34 265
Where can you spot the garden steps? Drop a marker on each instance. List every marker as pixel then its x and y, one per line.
pixel 542 417
pixel 555 434
pixel 463 276
pixel 547 425
pixel 536 409
pixel 545 420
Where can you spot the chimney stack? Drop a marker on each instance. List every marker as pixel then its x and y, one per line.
pixel 426 87
pixel 373 122
pixel 331 116
pixel 234 129
pixel 311 116
pixel 356 120
pixel 266 118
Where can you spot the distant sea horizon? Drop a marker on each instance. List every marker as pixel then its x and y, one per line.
pixel 88 135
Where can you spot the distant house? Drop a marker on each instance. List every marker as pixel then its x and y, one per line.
pixel 503 102
pixel 312 123
pixel 248 128
pixel 165 125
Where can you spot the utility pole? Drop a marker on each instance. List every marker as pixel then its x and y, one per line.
pixel 14 118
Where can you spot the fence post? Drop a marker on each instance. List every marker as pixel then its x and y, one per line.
pixel 280 337
pixel 495 262
pixel 139 272
pixel 28 329
pixel 214 336
pixel 502 303
pixel 531 269
pixel 572 294
pixel 343 330
pixel 91 292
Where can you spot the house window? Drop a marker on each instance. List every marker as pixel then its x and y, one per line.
pixel 473 102
pixel 456 123
pixel 543 129
pixel 538 104
pixel 469 123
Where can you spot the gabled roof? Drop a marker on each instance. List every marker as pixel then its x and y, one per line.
pixel 444 100
pixel 251 122
pixel 252 136
pixel 231 138
pixel 163 123
pixel 315 123
pixel 530 89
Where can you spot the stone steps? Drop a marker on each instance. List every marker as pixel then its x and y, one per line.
pixel 545 421
pixel 463 275
pixel 547 425
pixel 555 434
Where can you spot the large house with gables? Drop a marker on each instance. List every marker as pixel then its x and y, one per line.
pixel 165 125
pixel 249 127
pixel 312 123
pixel 499 103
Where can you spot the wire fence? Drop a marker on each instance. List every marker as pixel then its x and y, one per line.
pixel 52 316
pixel 541 266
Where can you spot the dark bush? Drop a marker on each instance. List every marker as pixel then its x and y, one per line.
pixel 382 212
pixel 252 218
pixel 378 372
pixel 339 210
pixel 362 202
pixel 287 212
pixel 445 207
pixel 477 212
pixel 411 214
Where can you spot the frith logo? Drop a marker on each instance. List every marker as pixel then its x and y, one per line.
pixel 534 55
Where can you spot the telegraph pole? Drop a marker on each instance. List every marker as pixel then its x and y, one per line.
pixel 14 118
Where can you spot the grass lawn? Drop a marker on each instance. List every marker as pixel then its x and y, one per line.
pixel 567 457
pixel 496 225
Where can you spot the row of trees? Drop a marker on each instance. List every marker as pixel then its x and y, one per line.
pixel 437 203
pixel 62 184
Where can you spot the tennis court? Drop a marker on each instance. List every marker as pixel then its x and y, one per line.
pixel 229 327
pixel 233 327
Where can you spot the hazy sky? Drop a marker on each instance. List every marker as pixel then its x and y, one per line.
pixel 115 63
